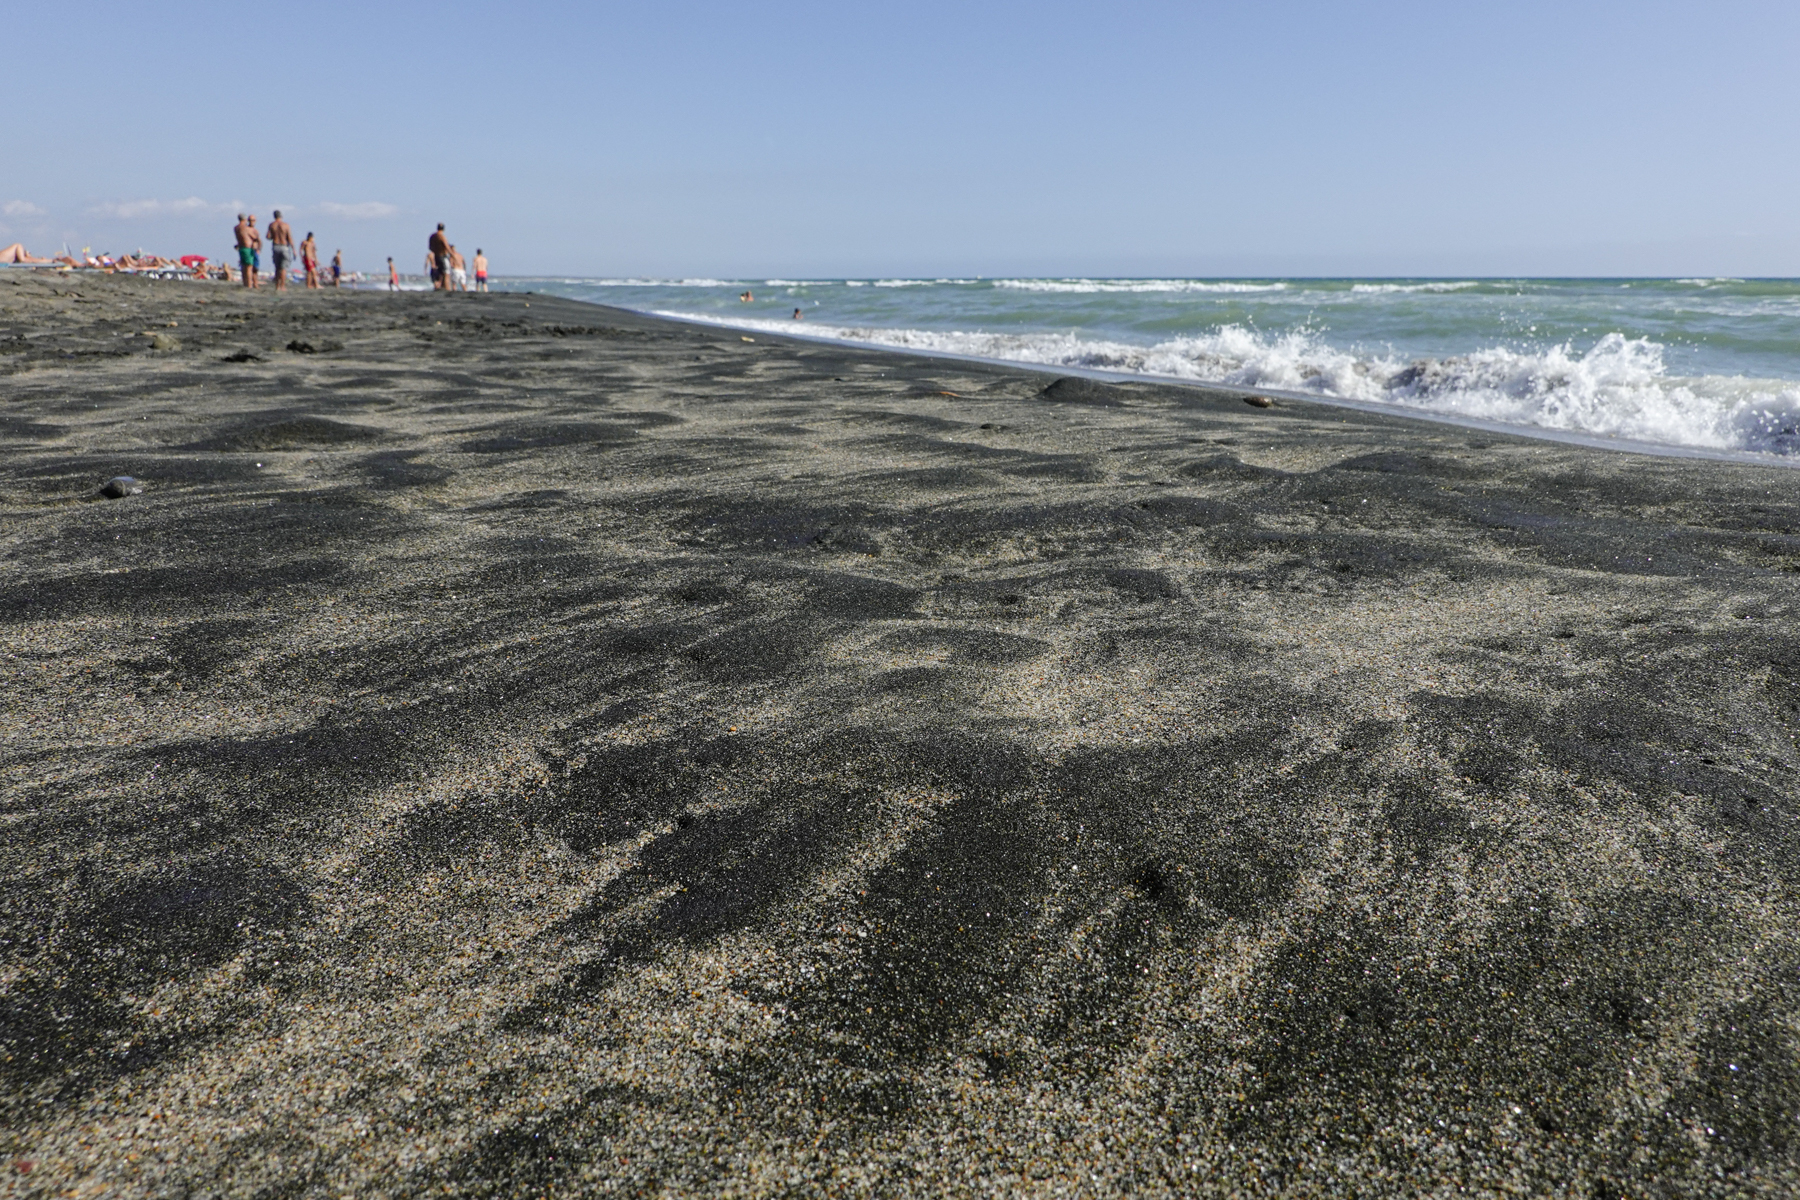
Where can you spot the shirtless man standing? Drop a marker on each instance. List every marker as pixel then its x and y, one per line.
pixel 281 248
pixel 309 258
pixel 245 232
pixel 480 270
pixel 459 272
pixel 439 246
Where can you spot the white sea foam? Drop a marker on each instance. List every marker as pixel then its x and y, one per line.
pixel 1616 388
pixel 1382 289
pixel 689 283
pixel 1095 286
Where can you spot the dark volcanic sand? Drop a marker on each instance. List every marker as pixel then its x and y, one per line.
pixel 524 747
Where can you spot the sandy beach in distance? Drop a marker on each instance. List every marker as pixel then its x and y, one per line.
pixel 515 747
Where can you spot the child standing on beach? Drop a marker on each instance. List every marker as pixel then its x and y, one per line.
pixel 337 267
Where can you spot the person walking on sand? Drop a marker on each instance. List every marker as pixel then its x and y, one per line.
pixel 281 249
pixel 309 259
pixel 439 247
pixel 459 273
pixel 337 267
pixel 480 270
pixel 245 233
pixel 393 276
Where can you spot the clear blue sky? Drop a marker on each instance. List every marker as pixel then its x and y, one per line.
pixel 746 140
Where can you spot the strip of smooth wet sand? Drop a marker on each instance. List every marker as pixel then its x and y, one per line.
pixel 516 747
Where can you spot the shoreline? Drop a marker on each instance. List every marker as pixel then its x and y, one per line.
pixel 1570 437
pixel 512 745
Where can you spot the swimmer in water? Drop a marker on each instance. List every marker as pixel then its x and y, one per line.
pixel 797 315
pixel 745 296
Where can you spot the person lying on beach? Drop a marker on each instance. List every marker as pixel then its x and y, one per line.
pixel 480 270
pixel 281 248
pixel 309 259
pixel 16 253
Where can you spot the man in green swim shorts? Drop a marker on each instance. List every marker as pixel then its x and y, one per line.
pixel 246 247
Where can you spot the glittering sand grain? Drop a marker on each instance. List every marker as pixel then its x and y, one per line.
pixel 552 751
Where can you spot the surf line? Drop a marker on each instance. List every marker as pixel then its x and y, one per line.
pixel 1536 433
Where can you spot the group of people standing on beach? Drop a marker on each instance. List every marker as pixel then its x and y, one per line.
pixel 281 250
pixel 448 270
pixel 446 266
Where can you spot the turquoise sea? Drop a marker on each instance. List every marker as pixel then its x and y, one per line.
pixel 1708 364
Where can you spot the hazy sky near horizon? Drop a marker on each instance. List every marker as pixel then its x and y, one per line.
pixel 1292 137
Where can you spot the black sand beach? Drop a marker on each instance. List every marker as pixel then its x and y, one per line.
pixel 514 747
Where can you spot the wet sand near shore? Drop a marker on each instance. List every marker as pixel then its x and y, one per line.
pixel 515 747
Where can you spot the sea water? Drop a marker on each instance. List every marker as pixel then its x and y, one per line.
pixel 1706 364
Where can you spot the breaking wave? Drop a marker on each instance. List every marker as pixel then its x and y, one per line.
pixel 646 283
pixel 1618 387
pixel 1095 286
pixel 1385 289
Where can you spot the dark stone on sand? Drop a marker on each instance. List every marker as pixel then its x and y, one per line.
pixel 299 347
pixel 1084 391
pixel 120 486
pixel 1259 402
pixel 242 356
